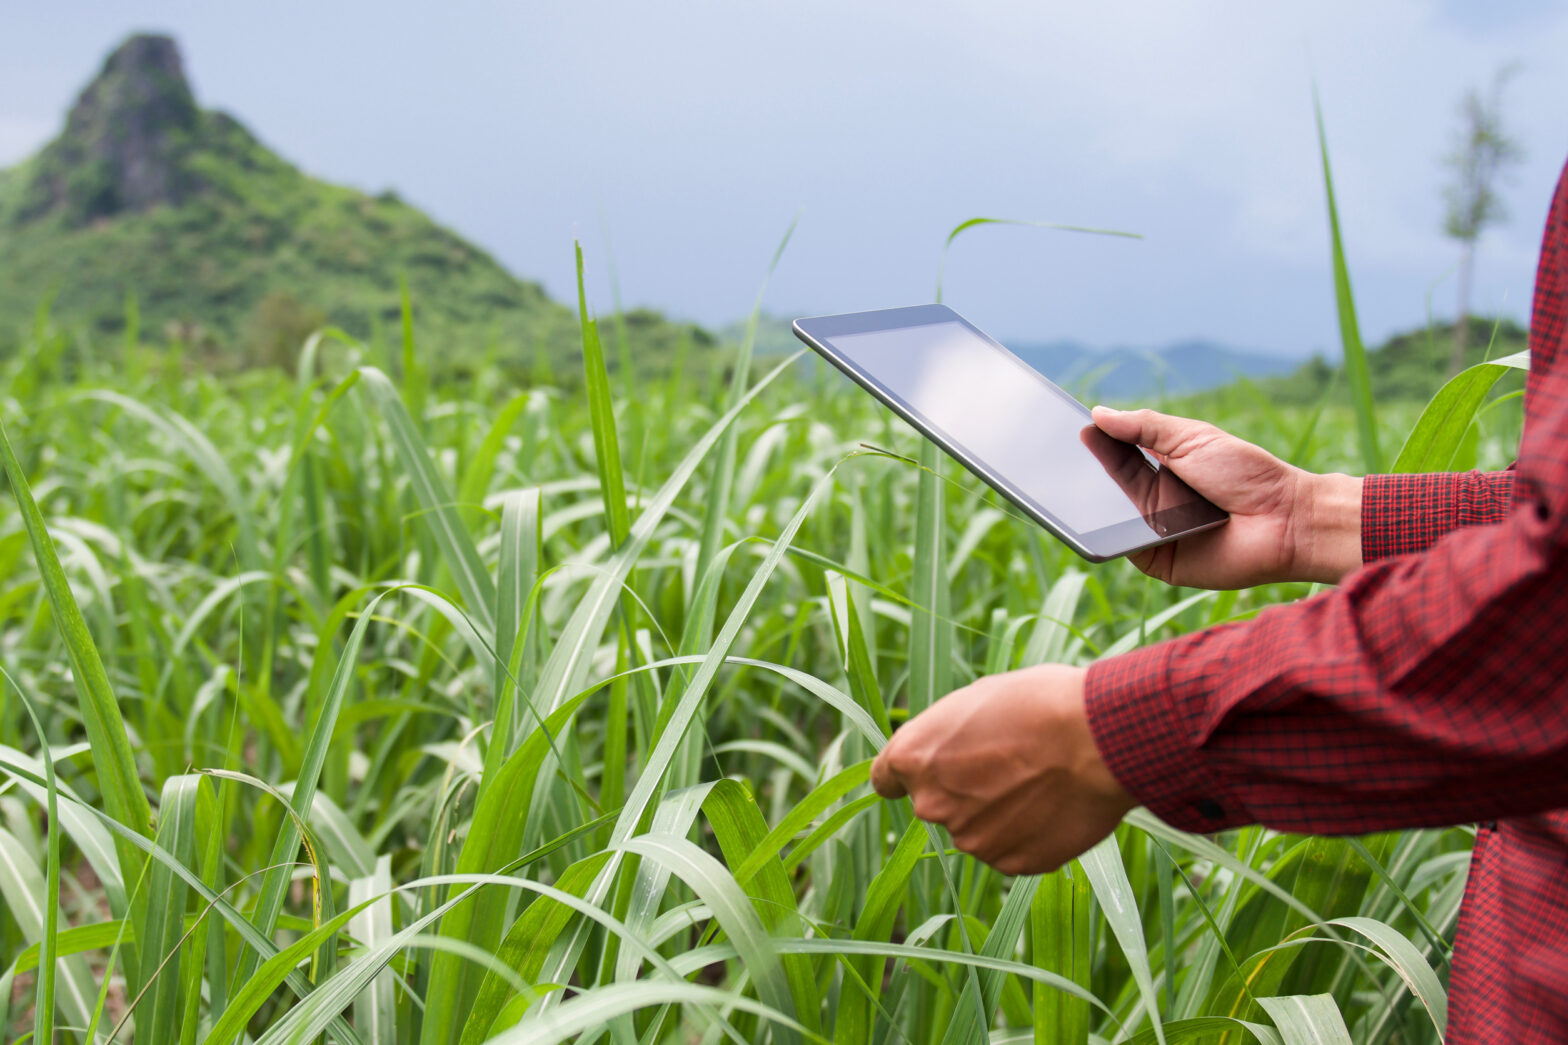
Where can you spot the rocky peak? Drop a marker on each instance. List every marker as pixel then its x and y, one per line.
pixel 124 140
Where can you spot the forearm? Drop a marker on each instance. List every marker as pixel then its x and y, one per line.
pixel 1328 545
pixel 1347 520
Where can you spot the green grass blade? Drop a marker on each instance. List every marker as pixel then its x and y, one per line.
pixel 669 740
pixel 438 512
pixel 965 226
pixel 518 570
pixel 601 411
pixel 566 669
pixel 160 1011
pixel 316 1012
pixel 718 502
pixel 875 924
pixel 527 945
pixel 1053 630
pixel 48 939
pixel 1061 944
pixel 732 908
pixel 247 931
pixel 1001 941
pixel 543 1026
pixel 1356 373
pixel 1204 1030
pixel 739 828
pixel 275 884
pixel 930 636
pixel 1108 876
pixel 1403 957
pixel 112 757
pixel 495 836
pixel 1433 441
pixel 1307 1019
pixel 24 891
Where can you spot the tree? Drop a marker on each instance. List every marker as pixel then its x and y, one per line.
pixel 277 328
pixel 1482 151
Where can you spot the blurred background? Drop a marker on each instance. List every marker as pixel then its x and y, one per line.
pixel 678 142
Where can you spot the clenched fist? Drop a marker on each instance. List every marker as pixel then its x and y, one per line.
pixel 1009 767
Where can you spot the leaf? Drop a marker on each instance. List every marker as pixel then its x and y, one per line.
pixel 1402 956
pixel 23 888
pixel 546 1027
pixel 320 1008
pixel 1356 373
pixel 965 226
pixel 276 880
pixel 118 780
pixel 1060 942
pixel 1307 1019
pixel 438 512
pixel 1432 443
pixel 863 977
pixel 566 669
pixel 711 881
pixel 723 478
pixel 1001 941
pixel 159 1018
pixel 930 637
pixel 375 1011
pixel 1108 876
pixel 601 411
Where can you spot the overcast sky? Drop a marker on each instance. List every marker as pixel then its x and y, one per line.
pixel 689 134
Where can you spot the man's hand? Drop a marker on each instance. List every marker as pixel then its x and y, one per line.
pixel 1009 767
pixel 1285 523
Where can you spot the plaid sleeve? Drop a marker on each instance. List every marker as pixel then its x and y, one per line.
pixel 1144 726
pixel 1425 690
pixel 1408 513
pixel 1147 708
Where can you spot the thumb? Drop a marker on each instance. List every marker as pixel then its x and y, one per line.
pixel 885 780
pixel 1163 434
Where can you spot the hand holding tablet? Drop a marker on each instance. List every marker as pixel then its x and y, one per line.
pixel 1022 435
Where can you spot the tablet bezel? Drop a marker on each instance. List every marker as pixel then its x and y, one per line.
pixel 1099 545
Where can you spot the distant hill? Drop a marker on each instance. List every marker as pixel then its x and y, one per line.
pixel 1123 374
pixel 225 244
pixel 1408 366
pixel 1091 373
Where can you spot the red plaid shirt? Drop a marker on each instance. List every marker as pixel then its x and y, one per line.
pixel 1429 688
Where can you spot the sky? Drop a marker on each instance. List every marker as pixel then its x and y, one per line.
pixel 681 140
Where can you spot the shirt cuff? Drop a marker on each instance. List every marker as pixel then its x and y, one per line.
pixel 1409 513
pixel 1136 714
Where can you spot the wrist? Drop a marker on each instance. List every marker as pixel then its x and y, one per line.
pixel 1092 767
pixel 1328 544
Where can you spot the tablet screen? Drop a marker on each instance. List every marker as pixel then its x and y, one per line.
pixel 1028 437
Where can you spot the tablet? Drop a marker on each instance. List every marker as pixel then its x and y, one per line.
pixel 1027 439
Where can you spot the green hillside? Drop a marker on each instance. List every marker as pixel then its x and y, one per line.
pixel 227 246
pixel 1410 366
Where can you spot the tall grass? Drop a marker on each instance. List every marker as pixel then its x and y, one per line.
pixel 343 709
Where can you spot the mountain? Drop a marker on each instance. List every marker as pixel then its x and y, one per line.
pixel 1123 374
pixel 224 244
pixel 1119 374
pixel 1409 366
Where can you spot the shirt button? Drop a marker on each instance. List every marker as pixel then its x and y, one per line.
pixel 1211 809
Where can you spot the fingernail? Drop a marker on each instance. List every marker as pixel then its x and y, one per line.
pixel 1107 409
